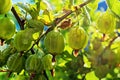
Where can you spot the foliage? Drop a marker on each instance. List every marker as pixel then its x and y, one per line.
pixel 59 40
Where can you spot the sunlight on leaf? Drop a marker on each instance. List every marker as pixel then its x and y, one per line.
pixel 91 76
pixel 36 35
pixel 87 63
pixel 114 5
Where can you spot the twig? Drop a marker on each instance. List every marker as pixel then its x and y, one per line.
pixel 107 47
pixel 58 20
pixel 110 43
pixel 21 22
pixel 4 71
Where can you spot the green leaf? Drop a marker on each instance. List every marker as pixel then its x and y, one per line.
pixel 93 5
pixel 43 5
pixel 114 5
pixel 38 5
pixel 91 76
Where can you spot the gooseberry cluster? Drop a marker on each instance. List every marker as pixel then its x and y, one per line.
pixel 32 51
pixel 23 52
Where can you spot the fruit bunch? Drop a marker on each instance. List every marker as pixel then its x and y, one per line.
pixel 68 48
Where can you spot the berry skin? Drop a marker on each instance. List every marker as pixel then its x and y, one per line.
pixel 33 64
pixel 77 38
pixel 7 28
pixel 16 63
pixel 23 40
pixel 54 42
pixel 47 62
pixel 106 23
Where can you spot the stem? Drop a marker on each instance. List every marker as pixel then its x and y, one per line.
pixel 21 53
pixel 52 72
pixel 33 52
pixel 9 74
pixel 45 75
pixel 109 45
pixel 83 78
pixel 103 37
pixel 85 3
pixel 4 71
pixel 2 42
pixel 75 53
pixel 53 59
pixel 21 23
pixel 32 76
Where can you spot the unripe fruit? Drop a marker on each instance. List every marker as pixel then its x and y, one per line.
pixel 106 23
pixel 7 28
pixel 4 55
pixel 16 63
pixel 47 62
pixel 101 71
pixel 37 25
pixel 23 40
pixel 5 6
pixel 54 42
pixel 109 57
pixel 77 38
pixel 33 64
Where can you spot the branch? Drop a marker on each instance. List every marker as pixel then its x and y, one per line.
pixel 109 45
pixel 58 20
pixel 21 23
pixel 4 71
